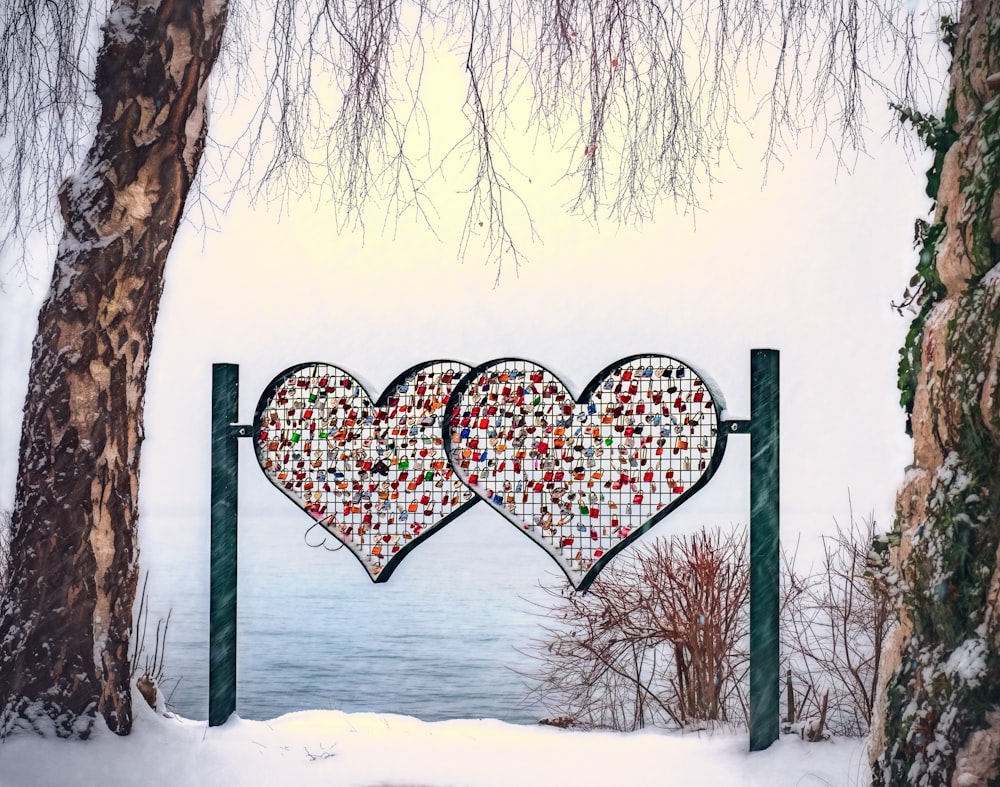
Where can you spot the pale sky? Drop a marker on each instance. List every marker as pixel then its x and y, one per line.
pixel 807 264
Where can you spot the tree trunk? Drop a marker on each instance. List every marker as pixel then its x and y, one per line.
pixel 65 624
pixel 936 720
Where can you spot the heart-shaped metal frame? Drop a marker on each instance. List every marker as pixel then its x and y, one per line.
pixel 301 452
pixel 459 421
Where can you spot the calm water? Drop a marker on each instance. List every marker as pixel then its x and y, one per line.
pixel 439 640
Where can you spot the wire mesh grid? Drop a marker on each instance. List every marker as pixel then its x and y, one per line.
pixel 374 474
pixel 584 478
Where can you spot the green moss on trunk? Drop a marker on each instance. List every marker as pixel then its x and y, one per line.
pixel 949 675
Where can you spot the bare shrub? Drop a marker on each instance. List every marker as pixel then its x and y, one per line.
pixel 149 681
pixel 597 660
pixel 702 588
pixel 659 638
pixel 835 624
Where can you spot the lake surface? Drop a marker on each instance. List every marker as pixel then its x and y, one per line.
pixel 439 640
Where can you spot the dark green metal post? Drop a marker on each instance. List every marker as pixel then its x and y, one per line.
pixel 765 565
pixel 222 633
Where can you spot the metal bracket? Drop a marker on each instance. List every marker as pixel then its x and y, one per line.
pixel 241 430
pixel 736 426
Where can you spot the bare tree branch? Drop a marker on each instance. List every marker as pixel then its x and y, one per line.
pixel 639 95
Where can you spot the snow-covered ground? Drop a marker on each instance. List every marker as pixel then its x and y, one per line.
pixel 373 750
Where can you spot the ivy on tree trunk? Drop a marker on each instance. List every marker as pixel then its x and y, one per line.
pixel 64 626
pixel 939 712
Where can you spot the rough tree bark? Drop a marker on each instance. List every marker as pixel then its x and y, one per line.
pixel 938 719
pixel 65 623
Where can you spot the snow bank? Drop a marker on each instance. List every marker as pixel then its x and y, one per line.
pixel 376 750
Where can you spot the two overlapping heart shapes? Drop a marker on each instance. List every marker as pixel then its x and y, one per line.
pixel 582 477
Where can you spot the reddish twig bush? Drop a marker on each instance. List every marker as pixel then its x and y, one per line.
pixel 659 638
pixel 701 588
